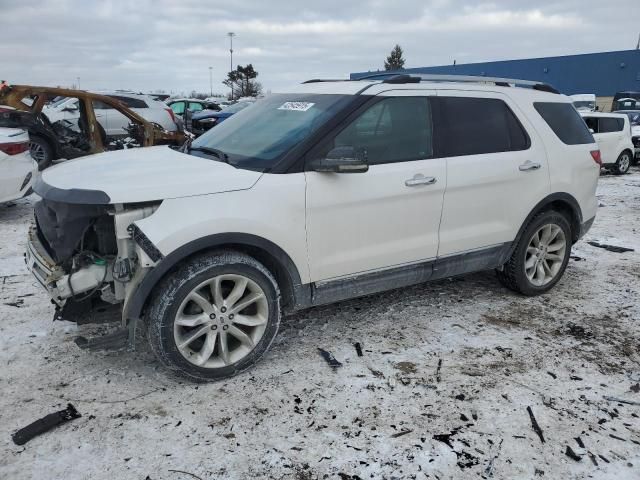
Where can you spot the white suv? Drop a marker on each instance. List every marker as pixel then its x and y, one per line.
pixel 612 131
pixel 333 190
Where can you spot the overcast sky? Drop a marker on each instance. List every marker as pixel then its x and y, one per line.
pixel 161 44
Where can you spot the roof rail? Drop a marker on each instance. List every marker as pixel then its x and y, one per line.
pixel 416 77
pixel 318 80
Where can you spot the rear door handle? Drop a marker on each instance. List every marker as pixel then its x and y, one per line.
pixel 420 179
pixel 529 165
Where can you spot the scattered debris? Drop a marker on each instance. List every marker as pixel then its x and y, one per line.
pixel 635 388
pixel 376 373
pixel 576 258
pixel 579 442
pixel 45 424
pixel 534 424
pixel 571 454
pixel 438 370
pixel 489 470
pixel 329 358
pixel 620 400
pixel 553 375
pixel 401 433
pixel 18 303
pixel 358 348
pixel 406 367
pixel 611 248
pixel 186 473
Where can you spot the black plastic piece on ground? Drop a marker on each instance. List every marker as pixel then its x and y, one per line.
pixel 358 348
pixel 329 358
pixel 611 248
pixel 45 424
pixel 117 339
pixel 534 424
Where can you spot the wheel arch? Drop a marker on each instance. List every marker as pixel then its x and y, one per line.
pixel 562 202
pixel 274 258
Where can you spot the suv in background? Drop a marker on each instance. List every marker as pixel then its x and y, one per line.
pixel 612 131
pixel 332 190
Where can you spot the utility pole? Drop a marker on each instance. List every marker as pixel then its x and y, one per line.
pixel 231 35
pixel 211 81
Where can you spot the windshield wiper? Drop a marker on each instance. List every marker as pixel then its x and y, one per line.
pixel 211 151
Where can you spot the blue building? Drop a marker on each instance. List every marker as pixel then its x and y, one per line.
pixel 603 74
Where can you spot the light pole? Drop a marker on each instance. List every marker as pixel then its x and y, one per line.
pixel 211 81
pixel 231 35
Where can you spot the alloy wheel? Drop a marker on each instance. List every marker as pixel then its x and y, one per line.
pixel 37 152
pixel 221 321
pixel 545 254
pixel 624 162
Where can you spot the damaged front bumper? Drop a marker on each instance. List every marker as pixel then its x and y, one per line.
pixel 43 267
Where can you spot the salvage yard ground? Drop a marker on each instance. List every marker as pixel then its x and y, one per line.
pixel 457 379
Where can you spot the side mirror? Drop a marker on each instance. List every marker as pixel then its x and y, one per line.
pixel 342 160
pixel 592 130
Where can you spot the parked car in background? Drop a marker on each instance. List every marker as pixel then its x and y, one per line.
pixel 329 191
pixel 185 108
pixel 634 119
pixel 114 122
pixel 76 129
pixel 584 102
pixel 207 119
pixel 612 131
pixel 17 168
pixel 626 101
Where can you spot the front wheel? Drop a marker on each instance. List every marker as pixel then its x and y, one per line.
pixel 622 164
pixel 40 151
pixel 215 316
pixel 541 256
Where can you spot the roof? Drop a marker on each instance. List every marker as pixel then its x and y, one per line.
pixel 603 73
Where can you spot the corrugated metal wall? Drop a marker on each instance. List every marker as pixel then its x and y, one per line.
pixel 601 73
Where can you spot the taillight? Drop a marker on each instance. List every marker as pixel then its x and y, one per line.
pixel 595 154
pixel 14 148
pixel 171 114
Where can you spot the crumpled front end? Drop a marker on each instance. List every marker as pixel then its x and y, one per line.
pixel 86 256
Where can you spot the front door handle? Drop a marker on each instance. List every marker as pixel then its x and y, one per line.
pixel 529 165
pixel 420 179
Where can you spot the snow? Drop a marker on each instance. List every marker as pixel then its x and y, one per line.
pixel 293 416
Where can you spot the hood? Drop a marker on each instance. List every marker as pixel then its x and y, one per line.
pixel 209 114
pixel 140 175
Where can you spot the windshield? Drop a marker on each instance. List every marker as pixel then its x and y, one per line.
pixel 584 104
pixel 258 137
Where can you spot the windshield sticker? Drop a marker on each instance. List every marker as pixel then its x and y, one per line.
pixel 297 106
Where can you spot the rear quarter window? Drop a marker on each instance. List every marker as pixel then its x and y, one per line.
pixel 608 125
pixel 131 102
pixel 565 122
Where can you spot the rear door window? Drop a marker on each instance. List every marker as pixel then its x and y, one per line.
pixel 608 125
pixel 473 126
pixel 565 122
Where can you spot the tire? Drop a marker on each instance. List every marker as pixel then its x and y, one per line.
pixel 189 336
pixel 517 273
pixel 622 163
pixel 41 151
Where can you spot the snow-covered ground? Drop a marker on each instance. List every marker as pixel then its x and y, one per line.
pixel 441 390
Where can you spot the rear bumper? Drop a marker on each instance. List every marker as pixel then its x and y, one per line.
pixel 586 226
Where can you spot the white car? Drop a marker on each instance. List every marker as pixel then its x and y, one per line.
pixel 332 190
pixel 584 102
pixel 612 131
pixel 17 168
pixel 113 122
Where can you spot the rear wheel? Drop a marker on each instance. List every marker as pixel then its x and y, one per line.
pixel 41 151
pixel 541 256
pixel 215 316
pixel 622 164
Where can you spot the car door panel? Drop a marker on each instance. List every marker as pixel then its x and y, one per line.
pixel 385 217
pixel 489 195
